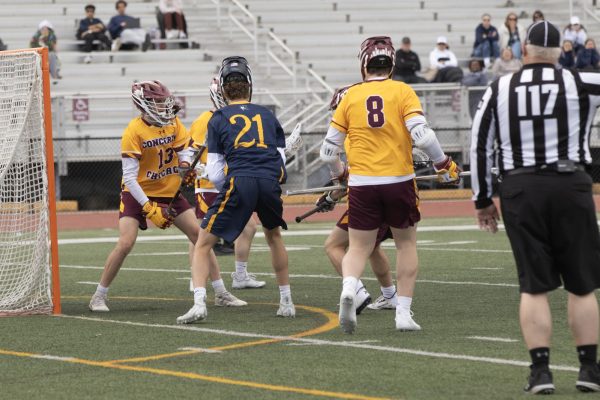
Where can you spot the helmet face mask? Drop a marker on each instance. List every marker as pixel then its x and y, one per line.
pixel 155 102
pixel 216 95
pixel 235 68
pixel 377 51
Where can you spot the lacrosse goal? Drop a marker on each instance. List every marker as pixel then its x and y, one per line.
pixel 28 245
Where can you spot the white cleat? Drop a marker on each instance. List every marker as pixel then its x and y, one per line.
pixel 226 299
pixel 404 321
pixel 347 313
pixel 243 281
pixel 382 303
pixel 362 299
pixel 196 313
pixel 98 303
pixel 286 308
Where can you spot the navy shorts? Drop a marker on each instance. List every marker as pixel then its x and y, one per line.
pixel 239 198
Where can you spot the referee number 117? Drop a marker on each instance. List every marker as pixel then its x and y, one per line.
pixel 537 94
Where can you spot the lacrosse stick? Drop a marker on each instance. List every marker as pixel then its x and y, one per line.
pixel 307 214
pixel 314 190
pixel 464 173
pixel 170 210
pixel 293 142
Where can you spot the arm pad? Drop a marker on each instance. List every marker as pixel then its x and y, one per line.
pixel 425 139
pixel 330 152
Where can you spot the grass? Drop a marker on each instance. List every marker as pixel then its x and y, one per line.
pixel 467 287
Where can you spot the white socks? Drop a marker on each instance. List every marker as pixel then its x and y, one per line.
pixel 359 285
pixel 199 295
pixel 404 303
pixel 349 284
pixel 241 267
pixel 101 290
pixel 285 291
pixel 390 293
pixel 218 286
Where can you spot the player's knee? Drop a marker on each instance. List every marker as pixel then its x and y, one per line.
pixel 125 245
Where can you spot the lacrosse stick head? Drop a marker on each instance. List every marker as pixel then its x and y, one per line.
pixel 294 141
pixel 420 159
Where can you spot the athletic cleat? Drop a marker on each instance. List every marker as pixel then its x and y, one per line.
pixel 243 281
pixel 286 308
pixel 226 299
pixel 196 313
pixel 539 381
pixel 382 303
pixel 223 250
pixel 347 313
pixel 404 321
pixel 98 303
pixel 362 299
pixel 589 378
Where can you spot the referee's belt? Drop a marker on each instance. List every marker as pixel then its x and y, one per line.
pixel 561 167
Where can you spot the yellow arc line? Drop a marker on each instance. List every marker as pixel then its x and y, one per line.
pixel 195 376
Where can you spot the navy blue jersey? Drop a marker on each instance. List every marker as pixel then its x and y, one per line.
pixel 248 136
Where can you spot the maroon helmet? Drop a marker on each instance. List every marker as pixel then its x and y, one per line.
pixel 376 51
pixel 155 101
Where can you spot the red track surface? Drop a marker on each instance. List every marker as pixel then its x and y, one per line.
pixel 109 219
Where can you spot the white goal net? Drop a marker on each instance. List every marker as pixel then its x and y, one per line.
pixel 25 272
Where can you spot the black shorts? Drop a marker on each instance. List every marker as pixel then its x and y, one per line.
pixel 239 198
pixel 550 220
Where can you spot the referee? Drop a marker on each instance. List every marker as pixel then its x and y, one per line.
pixel 535 124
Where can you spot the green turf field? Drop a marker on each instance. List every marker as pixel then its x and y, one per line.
pixel 466 301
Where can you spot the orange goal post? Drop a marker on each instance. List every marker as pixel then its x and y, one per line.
pixel 29 281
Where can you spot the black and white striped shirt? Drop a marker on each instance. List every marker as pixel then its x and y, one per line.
pixel 533 117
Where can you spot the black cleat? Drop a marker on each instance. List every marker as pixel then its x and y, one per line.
pixel 589 378
pixel 221 250
pixel 540 381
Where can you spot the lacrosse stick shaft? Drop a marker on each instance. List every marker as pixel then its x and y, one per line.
pixel 307 214
pixel 435 177
pixel 192 166
pixel 314 190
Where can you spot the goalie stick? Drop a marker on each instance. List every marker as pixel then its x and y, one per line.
pixel 170 210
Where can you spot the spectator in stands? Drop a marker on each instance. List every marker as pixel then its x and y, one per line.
pixel 512 34
pixel 588 57
pixel 567 55
pixel 443 65
pixel 538 15
pixel 90 29
pixel 575 32
pixel 477 76
pixel 407 64
pixel 486 40
pixel 173 18
pixel 506 64
pixel 3 46
pixel 45 37
pixel 126 30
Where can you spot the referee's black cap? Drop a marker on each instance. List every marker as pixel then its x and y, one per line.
pixel 543 34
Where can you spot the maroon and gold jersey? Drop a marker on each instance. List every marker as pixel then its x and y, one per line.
pixel 156 149
pixel 198 132
pixel 373 114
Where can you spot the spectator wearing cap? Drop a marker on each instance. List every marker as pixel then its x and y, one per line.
pixel 535 126
pixel 407 64
pixel 576 33
pixel 90 29
pixel 45 37
pixel 486 40
pixel 443 65
pixel 512 34
pixel 588 57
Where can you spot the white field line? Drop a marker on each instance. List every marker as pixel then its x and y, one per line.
pixel 309 276
pixel 87 283
pixel 389 349
pixel 492 339
pixel 308 232
pixel 200 350
pixel 486 269
pixel 55 358
pixel 254 248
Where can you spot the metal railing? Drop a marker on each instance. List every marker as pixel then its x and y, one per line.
pixel 234 6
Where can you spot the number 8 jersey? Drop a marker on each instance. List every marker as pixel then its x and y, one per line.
pixel 373 115
pixel 248 135
pixel 156 149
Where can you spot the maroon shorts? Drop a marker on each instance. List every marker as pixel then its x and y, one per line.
pixel 130 207
pixel 203 201
pixel 384 230
pixel 394 204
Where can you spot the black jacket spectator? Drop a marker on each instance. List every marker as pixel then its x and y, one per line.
pixel 91 29
pixel 567 55
pixel 407 64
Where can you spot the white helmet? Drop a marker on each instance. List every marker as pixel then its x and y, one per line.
pixel 155 101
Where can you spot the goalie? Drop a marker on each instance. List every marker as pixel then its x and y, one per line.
pixel 380 118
